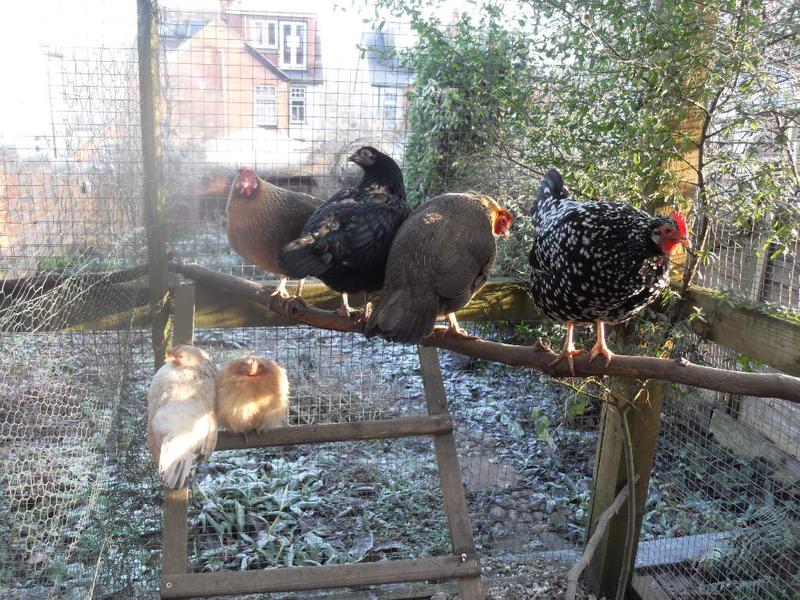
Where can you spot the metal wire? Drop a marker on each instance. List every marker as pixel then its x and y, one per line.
pixel 80 505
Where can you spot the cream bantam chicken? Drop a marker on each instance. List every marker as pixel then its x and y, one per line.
pixel 252 395
pixel 440 258
pixel 180 413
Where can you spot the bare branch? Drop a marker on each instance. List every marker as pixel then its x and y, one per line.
pixel 538 357
pixel 591 545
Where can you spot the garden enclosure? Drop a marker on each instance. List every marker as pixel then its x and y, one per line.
pixel 293 93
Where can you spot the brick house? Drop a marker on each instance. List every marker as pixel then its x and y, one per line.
pixel 243 70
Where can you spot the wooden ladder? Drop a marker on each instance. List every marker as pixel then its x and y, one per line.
pixel 463 564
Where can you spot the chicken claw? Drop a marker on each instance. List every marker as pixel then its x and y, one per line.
pixel 453 330
pixel 281 289
pixel 600 346
pixel 568 352
pixel 345 310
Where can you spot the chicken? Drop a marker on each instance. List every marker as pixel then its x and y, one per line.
pixel 180 413
pixel 252 394
pixel 597 262
pixel 441 257
pixel 346 242
pixel 262 218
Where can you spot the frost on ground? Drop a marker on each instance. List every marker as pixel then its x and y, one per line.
pixel 525 447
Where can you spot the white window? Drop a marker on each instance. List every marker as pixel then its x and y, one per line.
pixel 389 105
pixel 297 105
pixel 292 52
pixel 264 33
pixel 265 109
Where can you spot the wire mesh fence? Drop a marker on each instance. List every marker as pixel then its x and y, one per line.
pixel 292 94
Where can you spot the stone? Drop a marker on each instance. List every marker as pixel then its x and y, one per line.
pixel 497 513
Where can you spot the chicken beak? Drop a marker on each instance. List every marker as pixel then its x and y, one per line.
pixel 253 367
pixel 686 243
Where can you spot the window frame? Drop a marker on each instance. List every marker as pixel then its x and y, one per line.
pixel 268 100
pixel 301 101
pixel 264 26
pixel 389 93
pixel 292 66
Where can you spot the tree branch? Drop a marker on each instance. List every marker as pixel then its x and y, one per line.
pixel 591 545
pixel 538 357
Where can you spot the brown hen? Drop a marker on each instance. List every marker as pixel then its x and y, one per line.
pixel 262 218
pixel 441 257
pixel 252 394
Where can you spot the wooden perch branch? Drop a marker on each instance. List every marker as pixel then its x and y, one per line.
pixel 539 356
pixel 591 545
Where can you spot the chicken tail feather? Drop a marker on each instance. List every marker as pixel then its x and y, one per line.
pixel 175 462
pixel 297 259
pixel 552 186
pixel 403 317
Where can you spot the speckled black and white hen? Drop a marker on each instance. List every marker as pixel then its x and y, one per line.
pixel 346 241
pixel 597 262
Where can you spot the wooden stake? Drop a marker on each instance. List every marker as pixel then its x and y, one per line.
pixel 153 187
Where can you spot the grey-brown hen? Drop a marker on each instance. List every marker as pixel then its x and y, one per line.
pixel 440 258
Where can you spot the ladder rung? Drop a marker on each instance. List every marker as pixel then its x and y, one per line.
pixel 338 432
pixel 293 579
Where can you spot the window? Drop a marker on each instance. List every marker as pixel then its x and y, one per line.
pixel 292 53
pixel 389 105
pixel 297 105
pixel 265 110
pixel 264 33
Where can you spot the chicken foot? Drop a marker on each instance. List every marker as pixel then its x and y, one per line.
pixel 600 347
pixel 568 352
pixel 281 289
pixel 345 309
pixel 453 329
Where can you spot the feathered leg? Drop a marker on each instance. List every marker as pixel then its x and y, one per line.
pixel 569 350
pixel 600 347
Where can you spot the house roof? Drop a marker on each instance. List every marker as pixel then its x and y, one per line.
pixel 315 76
pixel 266 62
pixel 383 61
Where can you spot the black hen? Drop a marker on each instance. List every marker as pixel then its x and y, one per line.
pixel 346 241
pixel 597 262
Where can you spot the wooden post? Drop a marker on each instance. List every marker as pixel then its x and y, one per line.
pixel 176 502
pixel 610 477
pixel 153 188
pixel 444 444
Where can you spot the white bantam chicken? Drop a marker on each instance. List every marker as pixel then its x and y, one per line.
pixel 180 413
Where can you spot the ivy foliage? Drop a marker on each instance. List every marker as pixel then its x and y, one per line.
pixel 653 103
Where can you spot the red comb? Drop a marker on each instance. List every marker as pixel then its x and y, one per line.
pixel 678 218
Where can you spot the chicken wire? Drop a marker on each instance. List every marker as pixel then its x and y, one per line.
pixel 80 501
pixel 722 516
